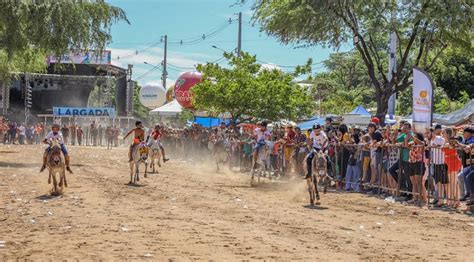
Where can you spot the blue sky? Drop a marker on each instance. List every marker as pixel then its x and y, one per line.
pixel 187 20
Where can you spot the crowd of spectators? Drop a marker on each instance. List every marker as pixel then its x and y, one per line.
pixel 431 167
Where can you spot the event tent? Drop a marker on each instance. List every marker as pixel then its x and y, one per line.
pixel 209 121
pixel 359 116
pixel 309 124
pixel 458 117
pixel 172 108
pixel 360 110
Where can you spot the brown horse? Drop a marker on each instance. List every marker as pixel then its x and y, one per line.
pixel 319 172
pixel 55 165
pixel 220 151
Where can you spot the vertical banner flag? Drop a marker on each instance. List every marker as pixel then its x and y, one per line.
pixel 422 100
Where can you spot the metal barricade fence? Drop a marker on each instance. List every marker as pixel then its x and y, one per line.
pixel 430 173
pixel 419 173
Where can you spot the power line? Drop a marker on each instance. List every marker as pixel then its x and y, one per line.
pixel 148 72
pixel 288 66
pixel 203 37
pixel 217 61
pixel 179 67
pixel 204 42
pixel 228 22
pixel 188 41
pixel 141 50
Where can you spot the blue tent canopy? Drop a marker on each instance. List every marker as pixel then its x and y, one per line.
pixel 207 122
pixel 360 110
pixel 309 124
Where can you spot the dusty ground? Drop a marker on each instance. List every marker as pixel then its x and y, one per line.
pixel 191 213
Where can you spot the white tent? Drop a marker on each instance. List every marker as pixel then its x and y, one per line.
pixel 172 108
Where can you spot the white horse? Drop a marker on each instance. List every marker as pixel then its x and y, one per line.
pixel 154 153
pixel 139 156
pixel 262 165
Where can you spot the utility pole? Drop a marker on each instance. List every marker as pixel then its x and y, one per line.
pixel 239 38
pixel 392 60
pixel 129 98
pixel 165 74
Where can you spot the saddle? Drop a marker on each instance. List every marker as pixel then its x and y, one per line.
pixel 143 148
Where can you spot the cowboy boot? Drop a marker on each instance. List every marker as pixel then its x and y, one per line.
pixel 45 159
pixel 68 168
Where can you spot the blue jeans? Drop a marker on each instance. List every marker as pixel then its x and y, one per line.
pixel 376 160
pixel 462 179
pixel 470 183
pixel 259 145
pixel 309 162
pixel 353 177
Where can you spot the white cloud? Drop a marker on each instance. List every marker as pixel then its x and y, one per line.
pixel 177 62
pixel 270 67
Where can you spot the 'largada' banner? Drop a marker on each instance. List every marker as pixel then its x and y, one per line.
pixel 422 100
pixel 84 112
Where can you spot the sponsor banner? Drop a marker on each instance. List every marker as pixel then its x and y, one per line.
pixel 90 57
pixel 85 112
pixel 422 100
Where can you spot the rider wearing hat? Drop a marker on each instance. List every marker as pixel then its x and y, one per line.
pixel 261 133
pixel 318 141
pixel 55 134
pixel 156 135
pixel 139 136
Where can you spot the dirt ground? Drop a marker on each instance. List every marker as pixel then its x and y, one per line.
pixel 188 212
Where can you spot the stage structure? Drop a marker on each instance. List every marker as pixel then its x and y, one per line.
pixel 69 82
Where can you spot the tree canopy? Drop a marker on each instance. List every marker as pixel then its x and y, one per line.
pixel 424 30
pixel 39 28
pixel 454 72
pixel 247 89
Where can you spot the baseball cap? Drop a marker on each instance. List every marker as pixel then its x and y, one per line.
pixel 317 126
pixel 438 126
pixel 375 120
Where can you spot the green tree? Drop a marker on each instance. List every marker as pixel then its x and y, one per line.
pixel 139 111
pixel 343 85
pixel 40 28
pixel 442 103
pixel 454 72
pixel 245 89
pixel 424 29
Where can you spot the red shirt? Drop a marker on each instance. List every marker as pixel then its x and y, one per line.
pixel 156 135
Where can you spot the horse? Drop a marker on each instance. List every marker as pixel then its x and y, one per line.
pixel 56 165
pixel 139 156
pixel 262 165
pixel 319 166
pixel 220 152
pixel 154 153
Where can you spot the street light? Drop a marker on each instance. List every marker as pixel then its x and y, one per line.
pixel 146 63
pixel 218 48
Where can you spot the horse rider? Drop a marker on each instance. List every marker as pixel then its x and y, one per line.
pixel 318 140
pixel 261 134
pixel 139 136
pixel 156 136
pixel 55 134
